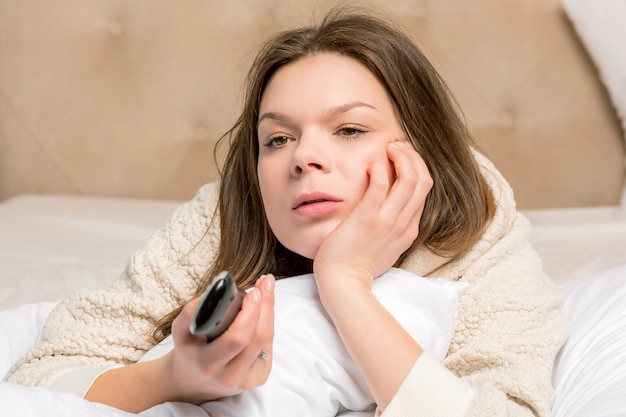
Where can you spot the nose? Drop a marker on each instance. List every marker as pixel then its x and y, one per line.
pixel 310 154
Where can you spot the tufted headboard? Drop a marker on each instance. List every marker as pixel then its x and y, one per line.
pixel 118 98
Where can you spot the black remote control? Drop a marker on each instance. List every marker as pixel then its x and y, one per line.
pixel 218 307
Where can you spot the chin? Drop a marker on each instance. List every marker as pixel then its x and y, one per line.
pixel 307 243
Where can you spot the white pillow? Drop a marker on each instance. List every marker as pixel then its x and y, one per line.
pixel 590 373
pixel 601 25
pixel 312 373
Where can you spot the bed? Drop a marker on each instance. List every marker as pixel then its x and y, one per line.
pixel 109 113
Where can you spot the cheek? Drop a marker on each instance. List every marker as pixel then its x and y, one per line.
pixel 266 180
pixel 267 172
pixel 262 179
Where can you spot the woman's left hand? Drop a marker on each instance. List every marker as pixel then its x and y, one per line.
pixel 381 227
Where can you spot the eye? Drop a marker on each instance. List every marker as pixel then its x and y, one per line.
pixel 277 141
pixel 350 132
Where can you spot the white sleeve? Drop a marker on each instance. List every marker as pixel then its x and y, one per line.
pixel 78 381
pixel 430 389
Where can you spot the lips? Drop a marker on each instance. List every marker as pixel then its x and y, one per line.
pixel 315 204
pixel 313 198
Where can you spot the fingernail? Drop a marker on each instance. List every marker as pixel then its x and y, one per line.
pixel 259 281
pixel 256 295
pixel 269 282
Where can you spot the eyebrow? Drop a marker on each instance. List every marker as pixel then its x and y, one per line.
pixel 333 111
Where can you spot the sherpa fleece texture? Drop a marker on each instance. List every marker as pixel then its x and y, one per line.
pixel 509 329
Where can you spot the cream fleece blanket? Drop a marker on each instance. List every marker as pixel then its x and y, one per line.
pixel 509 329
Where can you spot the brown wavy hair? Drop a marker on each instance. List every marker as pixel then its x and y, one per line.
pixel 460 203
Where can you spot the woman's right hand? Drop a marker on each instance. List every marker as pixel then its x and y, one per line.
pixel 230 364
pixel 196 371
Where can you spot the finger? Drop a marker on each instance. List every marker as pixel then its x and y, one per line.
pixel 266 322
pixel 180 325
pixel 250 363
pixel 423 186
pixel 264 333
pixel 237 337
pixel 377 189
pixel 404 186
pixel 408 194
pixel 405 171
pixel 413 180
pixel 247 320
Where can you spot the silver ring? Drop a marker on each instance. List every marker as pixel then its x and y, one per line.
pixel 264 355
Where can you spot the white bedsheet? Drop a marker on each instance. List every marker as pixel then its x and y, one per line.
pixel 576 243
pixel 53 245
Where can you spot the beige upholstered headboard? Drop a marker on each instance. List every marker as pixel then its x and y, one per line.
pixel 118 98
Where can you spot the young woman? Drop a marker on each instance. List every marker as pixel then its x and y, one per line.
pixel 349 158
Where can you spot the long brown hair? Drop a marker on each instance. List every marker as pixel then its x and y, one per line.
pixel 459 205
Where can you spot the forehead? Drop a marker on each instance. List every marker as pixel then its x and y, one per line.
pixel 326 79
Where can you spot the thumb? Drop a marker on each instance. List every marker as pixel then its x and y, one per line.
pixel 190 308
pixel 180 325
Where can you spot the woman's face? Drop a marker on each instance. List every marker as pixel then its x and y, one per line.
pixel 323 120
